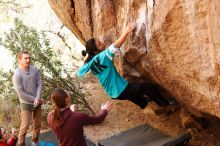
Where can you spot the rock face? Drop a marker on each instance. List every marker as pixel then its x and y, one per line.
pixel 175 43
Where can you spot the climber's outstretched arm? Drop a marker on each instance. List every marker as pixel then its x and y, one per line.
pixel 123 36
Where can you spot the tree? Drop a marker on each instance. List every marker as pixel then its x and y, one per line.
pixel 22 37
pixel 11 5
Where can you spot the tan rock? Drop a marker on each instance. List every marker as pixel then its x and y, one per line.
pixel 175 43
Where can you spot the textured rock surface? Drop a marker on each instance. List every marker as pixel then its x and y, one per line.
pixel 175 44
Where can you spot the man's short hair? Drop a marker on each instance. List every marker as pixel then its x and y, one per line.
pixel 19 55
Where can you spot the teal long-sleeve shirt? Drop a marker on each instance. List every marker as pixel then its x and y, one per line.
pixel 103 68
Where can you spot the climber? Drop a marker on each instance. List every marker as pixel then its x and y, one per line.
pixel 99 62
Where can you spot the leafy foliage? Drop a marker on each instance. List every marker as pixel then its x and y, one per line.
pixel 53 74
pixel 11 5
pixel 6 87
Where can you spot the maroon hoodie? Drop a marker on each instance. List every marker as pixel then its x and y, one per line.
pixel 69 129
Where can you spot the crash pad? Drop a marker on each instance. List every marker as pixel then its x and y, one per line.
pixel 144 135
pixel 48 138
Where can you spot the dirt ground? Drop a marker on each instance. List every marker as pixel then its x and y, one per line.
pixel 125 115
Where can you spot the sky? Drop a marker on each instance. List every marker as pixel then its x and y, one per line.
pixel 40 16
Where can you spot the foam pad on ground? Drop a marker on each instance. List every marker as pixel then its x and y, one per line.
pixel 49 139
pixel 144 135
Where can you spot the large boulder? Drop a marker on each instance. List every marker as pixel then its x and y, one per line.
pixel 175 43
